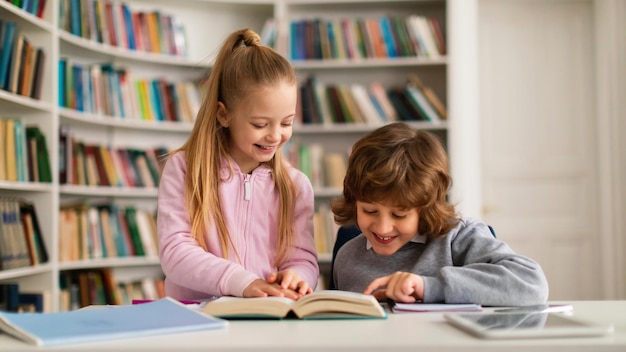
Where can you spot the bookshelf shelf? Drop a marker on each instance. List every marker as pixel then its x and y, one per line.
pixel 24 19
pixel 25 272
pixel 327 192
pixel 109 263
pixel 20 104
pixel 71 116
pixel 99 191
pixel 26 186
pixel 324 258
pixel 113 52
pixel 359 128
pixel 357 64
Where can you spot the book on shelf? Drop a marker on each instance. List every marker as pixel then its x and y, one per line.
pixel 429 94
pixel 15 63
pixel 38 74
pixel 3 150
pixel 9 297
pixel 21 65
pixel 82 288
pixel 336 39
pixel 8 40
pixel 320 236
pixel 373 37
pixel 110 322
pixel 34 7
pixel 116 24
pixel 37 302
pixel 26 76
pixel 32 232
pixel 371 114
pixel 419 102
pixel 335 167
pixel 21 155
pixel 321 30
pixel 326 304
pixel 325 229
pixel 90 231
pixel 10 150
pixel 14 251
pixel 382 102
pixel 38 154
pixel 400 102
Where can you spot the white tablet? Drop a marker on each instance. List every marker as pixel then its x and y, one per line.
pixel 525 325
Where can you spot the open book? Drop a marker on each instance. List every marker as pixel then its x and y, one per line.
pixel 106 323
pixel 326 304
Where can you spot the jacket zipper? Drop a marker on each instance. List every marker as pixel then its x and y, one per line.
pixel 247 194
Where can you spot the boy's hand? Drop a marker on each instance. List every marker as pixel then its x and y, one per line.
pixel 289 279
pixel 262 288
pixel 399 286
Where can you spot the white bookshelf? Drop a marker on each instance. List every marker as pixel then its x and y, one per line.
pixel 207 23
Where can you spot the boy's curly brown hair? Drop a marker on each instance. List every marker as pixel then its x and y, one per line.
pixel 403 167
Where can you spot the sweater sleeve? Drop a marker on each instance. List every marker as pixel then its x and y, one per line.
pixel 485 271
pixel 303 259
pixel 193 273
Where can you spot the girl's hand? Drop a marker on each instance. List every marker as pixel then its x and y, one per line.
pixel 289 279
pixel 399 286
pixel 262 288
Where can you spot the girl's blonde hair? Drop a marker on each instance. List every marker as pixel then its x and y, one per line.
pixel 242 65
pixel 398 165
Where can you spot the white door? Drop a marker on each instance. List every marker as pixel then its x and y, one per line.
pixel 537 115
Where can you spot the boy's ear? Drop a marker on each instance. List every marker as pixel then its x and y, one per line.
pixel 222 114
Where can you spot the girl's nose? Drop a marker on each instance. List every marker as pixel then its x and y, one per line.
pixel 274 134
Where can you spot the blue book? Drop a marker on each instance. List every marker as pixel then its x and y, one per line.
pixel 34 6
pixel 36 299
pixel 99 323
pixel 77 76
pixel 61 82
pixel 9 297
pixel 75 18
pixel 130 29
pixel 390 43
pixel 155 99
pixel 26 4
pixel 20 150
pixel 5 54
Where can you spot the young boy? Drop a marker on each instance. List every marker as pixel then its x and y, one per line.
pixel 413 246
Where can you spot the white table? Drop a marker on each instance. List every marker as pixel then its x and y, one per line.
pixel 414 332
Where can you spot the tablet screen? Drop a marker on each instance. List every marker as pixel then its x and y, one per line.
pixel 517 325
pixel 522 321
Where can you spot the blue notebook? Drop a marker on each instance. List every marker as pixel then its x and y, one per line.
pixel 106 323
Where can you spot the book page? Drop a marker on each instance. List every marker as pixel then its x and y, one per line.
pixel 255 307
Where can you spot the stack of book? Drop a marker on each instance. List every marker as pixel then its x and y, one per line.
pixel 21 62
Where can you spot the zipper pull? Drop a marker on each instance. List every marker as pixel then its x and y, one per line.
pixel 246 187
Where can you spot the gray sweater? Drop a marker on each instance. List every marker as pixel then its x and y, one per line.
pixel 468 265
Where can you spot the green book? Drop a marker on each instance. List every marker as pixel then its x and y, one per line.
pixel 133 229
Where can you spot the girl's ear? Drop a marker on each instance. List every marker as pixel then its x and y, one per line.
pixel 222 114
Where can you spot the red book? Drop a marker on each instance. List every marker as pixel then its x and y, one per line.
pixel 108 14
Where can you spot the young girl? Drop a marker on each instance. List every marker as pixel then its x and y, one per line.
pixel 233 217
pixel 413 246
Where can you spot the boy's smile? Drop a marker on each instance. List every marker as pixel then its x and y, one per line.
pixel 387 227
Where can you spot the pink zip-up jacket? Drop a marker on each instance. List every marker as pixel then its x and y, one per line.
pixel 250 206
